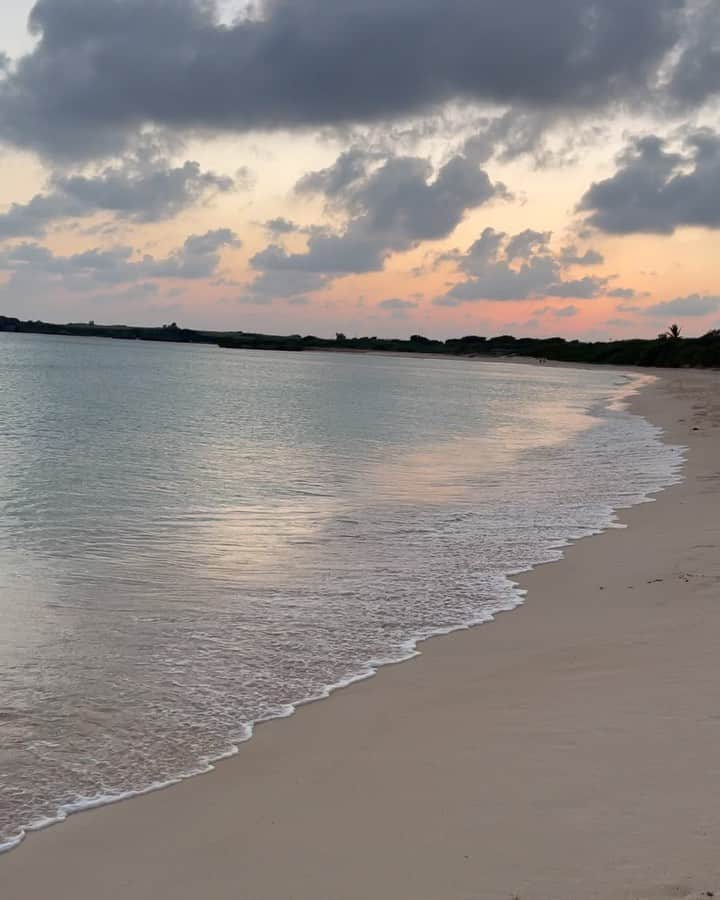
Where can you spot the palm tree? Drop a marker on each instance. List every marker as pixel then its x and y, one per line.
pixel 673 332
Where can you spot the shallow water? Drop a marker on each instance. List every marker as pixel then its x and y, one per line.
pixel 194 539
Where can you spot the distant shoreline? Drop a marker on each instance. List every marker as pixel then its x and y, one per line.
pixel 665 351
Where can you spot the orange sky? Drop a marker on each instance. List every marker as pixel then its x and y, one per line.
pixel 649 268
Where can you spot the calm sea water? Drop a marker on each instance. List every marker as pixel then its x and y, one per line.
pixel 194 539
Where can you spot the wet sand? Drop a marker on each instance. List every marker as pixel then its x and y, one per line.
pixel 569 750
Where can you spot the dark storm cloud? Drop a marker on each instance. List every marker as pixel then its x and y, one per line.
pixel 102 69
pixel 657 190
pixel 391 205
pixel 139 188
pixel 518 267
pixel 696 76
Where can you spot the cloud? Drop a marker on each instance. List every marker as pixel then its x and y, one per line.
pixel 696 75
pixel 622 293
pixel 280 226
pixel 526 243
pixel 692 305
pixel 136 293
pixel 567 312
pixel 581 288
pixel 401 197
pixel 518 267
pixel 141 188
pixel 656 190
pixel 391 204
pixel 145 192
pixel 508 136
pixel 348 169
pixel 570 256
pixel 395 304
pixel 32 219
pixel 102 69
pixel 283 283
pixel 198 257
pixel 546 137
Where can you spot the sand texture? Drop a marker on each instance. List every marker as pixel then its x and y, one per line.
pixel 570 750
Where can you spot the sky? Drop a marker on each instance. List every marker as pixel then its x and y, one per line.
pixel 375 167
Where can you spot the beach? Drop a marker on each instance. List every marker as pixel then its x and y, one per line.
pixel 568 750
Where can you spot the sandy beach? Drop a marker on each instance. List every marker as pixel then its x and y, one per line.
pixel 566 751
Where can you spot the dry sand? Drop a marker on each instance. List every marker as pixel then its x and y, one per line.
pixel 571 749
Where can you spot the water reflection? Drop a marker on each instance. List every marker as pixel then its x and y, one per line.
pixel 191 539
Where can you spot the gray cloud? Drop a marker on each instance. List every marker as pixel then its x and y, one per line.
pixel 567 312
pixel 526 243
pixel 580 288
pixel 391 205
pixel 571 256
pixel 400 196
pixel 692 305
pixel 102 69
pixel 519 267
pixel 145 193
pixel 283 283
pixel 696 75
pixel 133 294
pixel 656 190
pixel 142 188
pixel 547 137
pixel 33 218
pixel 394 304
pixel 622 293
pixel 198 257
pixel 280 226
pixel 510 135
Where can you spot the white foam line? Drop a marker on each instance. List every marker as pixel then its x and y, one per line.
pixel 408 649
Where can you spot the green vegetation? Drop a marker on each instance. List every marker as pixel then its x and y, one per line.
pixel 669 349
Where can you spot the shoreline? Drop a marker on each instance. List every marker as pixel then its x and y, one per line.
pixel 410 648
pixel 337 741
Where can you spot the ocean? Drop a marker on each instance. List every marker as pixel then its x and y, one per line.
pixel 193 540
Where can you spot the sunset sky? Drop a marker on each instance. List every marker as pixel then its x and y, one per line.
pixel 377 167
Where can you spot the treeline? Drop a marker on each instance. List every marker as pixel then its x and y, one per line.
pixel 122 332
pixel 668 350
